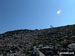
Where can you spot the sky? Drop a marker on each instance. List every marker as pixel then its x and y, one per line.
pixel 35 14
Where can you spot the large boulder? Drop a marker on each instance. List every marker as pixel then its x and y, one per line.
pixel 72 46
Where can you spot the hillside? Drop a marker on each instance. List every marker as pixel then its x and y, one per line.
pixel 21 42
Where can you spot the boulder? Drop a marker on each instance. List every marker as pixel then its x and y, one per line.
pixel 72 46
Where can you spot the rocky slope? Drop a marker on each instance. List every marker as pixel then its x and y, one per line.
pixel 21 42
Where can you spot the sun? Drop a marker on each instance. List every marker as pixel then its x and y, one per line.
pixel 58 11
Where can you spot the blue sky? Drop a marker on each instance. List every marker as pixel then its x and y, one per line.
pixel 35 14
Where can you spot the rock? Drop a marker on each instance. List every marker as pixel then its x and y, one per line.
pixel 72 46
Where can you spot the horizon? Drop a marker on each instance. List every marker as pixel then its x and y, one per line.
pixel 37 29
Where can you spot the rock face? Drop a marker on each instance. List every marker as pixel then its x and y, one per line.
pixel 21 42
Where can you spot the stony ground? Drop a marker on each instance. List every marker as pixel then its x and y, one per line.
pixel 21 42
